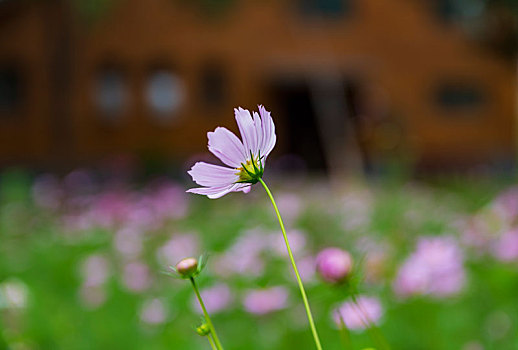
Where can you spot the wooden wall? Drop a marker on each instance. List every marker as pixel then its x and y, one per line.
pixel 398 51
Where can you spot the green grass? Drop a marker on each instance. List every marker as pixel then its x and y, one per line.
pixel 36 250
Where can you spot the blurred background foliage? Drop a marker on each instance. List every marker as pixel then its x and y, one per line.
pixel 82 262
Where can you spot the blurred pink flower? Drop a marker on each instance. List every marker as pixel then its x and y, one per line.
pixel 507 202
pixel 307 268
pixel 375 266
pixel 488 225
pixel 181 245
pixel 76 222
pixel 358 316
pixel 140 214
pixel 435 268
pixel 216 298
pixel 153 312
pixel 170 201
pixel 245 160
pixel 14 294
pixel 47 192
pixel 264 301
pixel 244 256
pixel 92 296
pixel 297 240
pixel 355 208
pixel 94 270
pixel 506 247
pixel 110 209
pixel 136 276
pixel 144 210
pixel 334 264
pixel 79 182
pixel 475 235
pixel 128 242
pixel 376 255
pixel 290 205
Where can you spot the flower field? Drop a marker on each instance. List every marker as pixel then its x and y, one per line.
pixel 85 264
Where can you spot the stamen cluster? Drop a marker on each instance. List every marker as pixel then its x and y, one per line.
pixel 252 170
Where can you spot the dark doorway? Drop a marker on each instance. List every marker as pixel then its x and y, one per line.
pixel 11 90
pixel 324 123
pixel 301 131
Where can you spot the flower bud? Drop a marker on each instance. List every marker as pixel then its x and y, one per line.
pixel 334 264
pixel 187 267
pixel 203 329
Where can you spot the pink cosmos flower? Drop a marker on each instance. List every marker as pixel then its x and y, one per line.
pixel 47 192
pixel 507 202
pixel 247 250
pixel 506 247
pixel 216 298
pixel 136 276
pixel 92 296
pixel 359 315
pixel 180 246
pixel 435 268
pixel 291 205
pixel 153 312
pixel 297 240
pixel 128 242
pixel 245 159
pixel 264 301
pixel 334 264
pixel 95 271
pixel 307 269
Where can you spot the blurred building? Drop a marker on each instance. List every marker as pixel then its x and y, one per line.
pixel 350 83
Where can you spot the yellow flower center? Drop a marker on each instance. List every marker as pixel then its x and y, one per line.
pixel 251 170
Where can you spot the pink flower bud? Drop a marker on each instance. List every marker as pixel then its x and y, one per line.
pixel 334 264
pixel 187 267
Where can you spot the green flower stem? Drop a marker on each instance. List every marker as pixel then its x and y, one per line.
pixel 299 280
pixel 211 341
pixel 345 336
pixel 206 314
pixel 371 326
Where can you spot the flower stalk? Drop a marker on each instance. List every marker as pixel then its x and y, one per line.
pixel 211 341
pixel 215 338
pixel 376 333
pixel 299 280
pixel 345 337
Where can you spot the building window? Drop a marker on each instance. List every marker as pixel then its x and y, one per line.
pixel 111 93
pixel 11 90
pixel 446 10
pixel 325 8
pixel 165 94
pixel 451 10
pixel 459 96
pixel 213 85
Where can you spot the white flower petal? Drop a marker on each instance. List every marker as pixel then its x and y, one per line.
pixel 268 130
pixel 206 174
pixel 217 192
pixel 245 188
pixel 259 133
pixel 227 147
pixel 247 129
